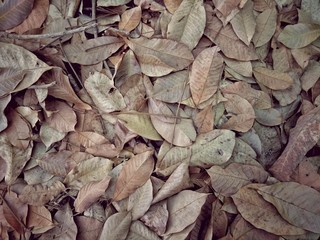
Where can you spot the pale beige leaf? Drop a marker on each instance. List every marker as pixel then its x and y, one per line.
pixel 172 87
pixel 133 175
pixel 226 6
pixel 244 23
pixel 93 169
pixel 139 124
pixel 14 158
pixel 296 203
pixel 38 195
pixel 13 56
pixel 138 231
pixel 178 181
pixel 92 51
pixel 103 93
pixel 49 135
pixel 258 99
pixel 180 132
pixel 272 79
pixel 29 114
pixel 169 52
pixel 262 214
pixel 187 23
pixel 206 74
pixel 157 217
pixel 266 27
pixel 229 180
pixel 312 9
pixel 152 66
pixel 63 118
pixel 86 139
pixel 130 19
pixel 228 41
pixel 282 59
pixel 204 120
pixel 184 208
pixel 111 3
pixel 4 101
pixel 172 5
pixel 116 227
pixel 243 68
pixel 269 117
pixel 311 75
pixel 10 78
pixel 299 35
pixel 262 5
pixel 90 193
pixel 140 201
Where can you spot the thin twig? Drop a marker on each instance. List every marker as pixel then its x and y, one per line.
pixel 46 35
pixel 93 13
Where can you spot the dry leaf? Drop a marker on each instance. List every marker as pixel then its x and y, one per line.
pixel 139 231
pixel 187 23
pixel 272 79
pixel 298 204
pixel 117 226
pixel 204 120
pixel 133 175
pixel 205 74
pixel 172 5
pixel 171 55
pixel 39 219
pixel 262 214
pixel 229 180
pixel 184 209
pixel 302 138
pixel 299 35
pixel 130 19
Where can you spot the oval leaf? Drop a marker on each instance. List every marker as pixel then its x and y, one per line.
pixel 273 79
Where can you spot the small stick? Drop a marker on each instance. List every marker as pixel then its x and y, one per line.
pixel 46 35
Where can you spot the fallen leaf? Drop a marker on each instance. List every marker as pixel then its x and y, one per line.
pixel 172 5
pixel 14 12
pixel 39 219
pixel 205 75
pixel 228 181
pixel 204 120
pixel 261 213
pixel 184 209
pixel 299 35
pixel 139 231
pixel 4 101
pixel 117 226
pixel 90 193
pixel 272 79
pixel 296 203
pixel 133 175
pixel 88 227
pixel 311 75
pixel 266 27
pixel 226 6
pixel 187 23
pixel 130 19
pixel 302 138
pixel 172 55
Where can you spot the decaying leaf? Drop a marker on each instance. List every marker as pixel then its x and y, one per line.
pixel 272 79
pixel 117 226
pixel 187 23
pixel 130 19
pixel 295 202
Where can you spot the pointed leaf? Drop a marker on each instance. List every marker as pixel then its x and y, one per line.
pixel 130 19
pixel 116 227
pixel 187 23
pixel 272 79
pixel 138 231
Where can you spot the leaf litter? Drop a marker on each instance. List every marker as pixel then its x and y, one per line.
pixel 142 119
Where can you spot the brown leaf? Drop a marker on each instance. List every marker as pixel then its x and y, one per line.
pixel 184 209
pixel 39 219
pixel 187 23
pixel 204 120
pixel 117 226
pixel 226 6
pixel 4 101
pixel 15 212
pixel 171 55
pixel 262 214
pixel 307 174
pixel 139 231
pixel 157 217
pixel 302 138
pixel 36 17
pixel 92 51
pixel 298 204
pixel 205 74
pixel 311 75
pixel 90 193
pixel 133 175
pixel 14 12
pixel 178 181
pixel 130 19
pixel 272 79
pixel 88 227
pixel 227 41
pixel 38 195
pixel 172 5
pixel 229 180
